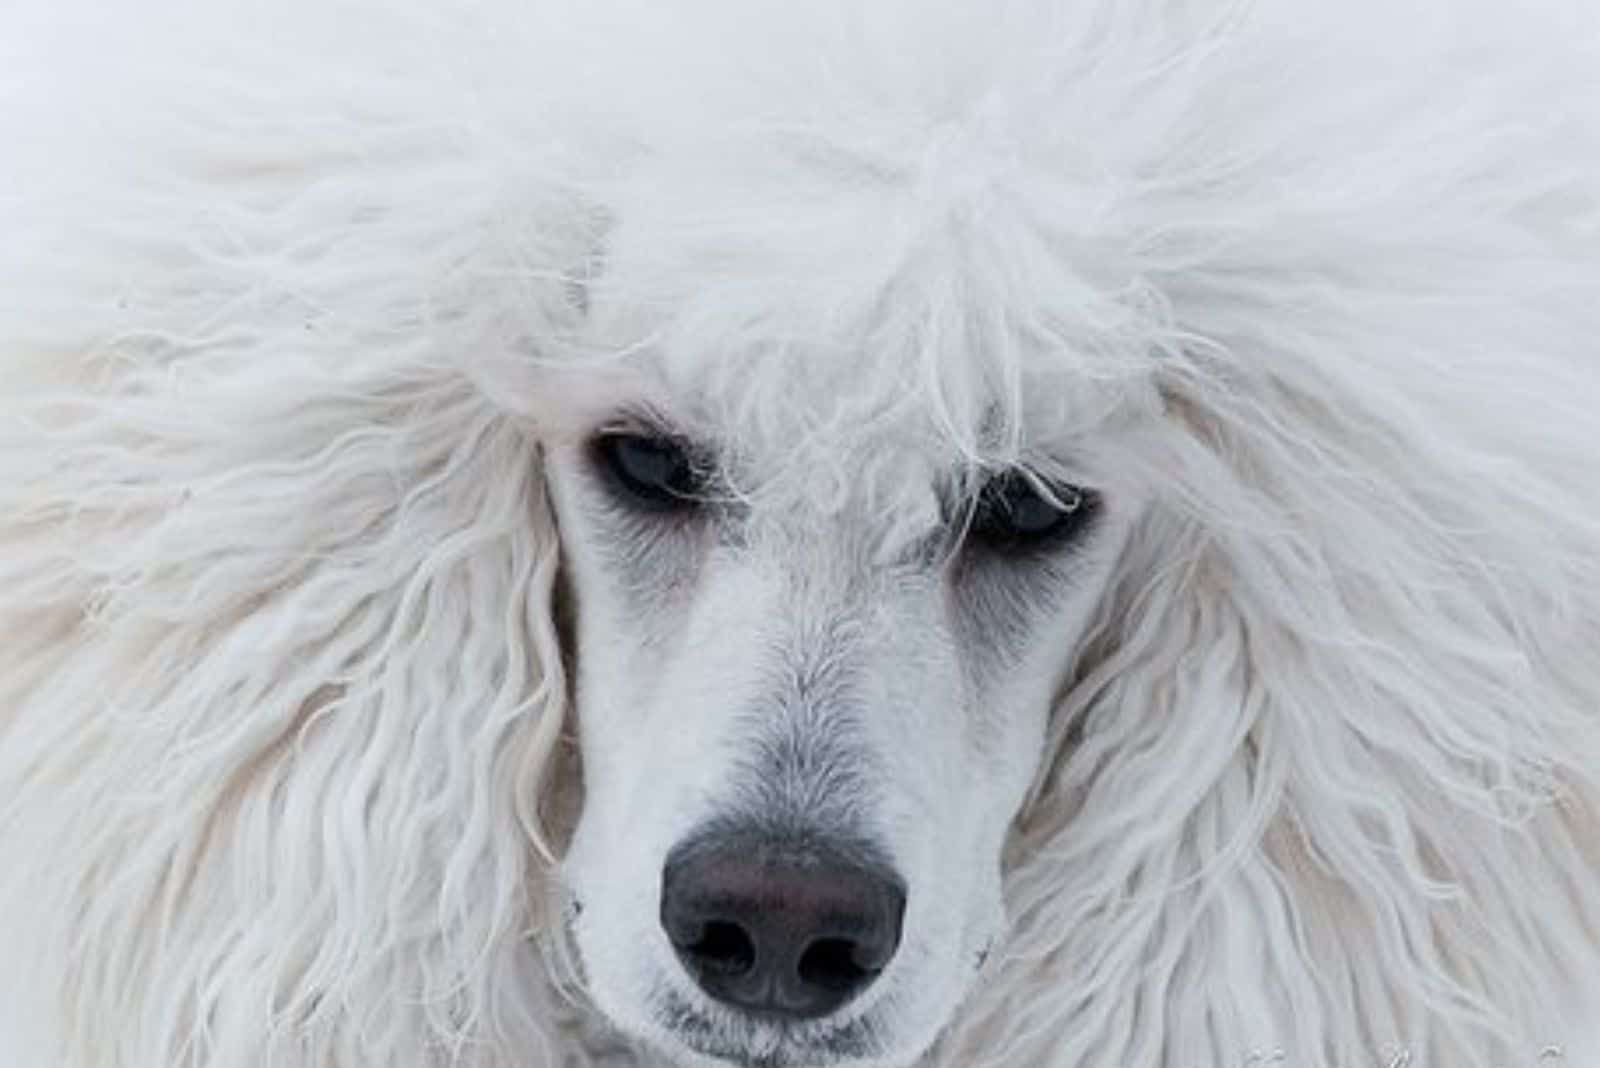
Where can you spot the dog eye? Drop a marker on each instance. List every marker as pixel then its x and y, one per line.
pixel 1015 513
pixel 651 472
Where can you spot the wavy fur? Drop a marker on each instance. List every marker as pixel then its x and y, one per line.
pixel 282 692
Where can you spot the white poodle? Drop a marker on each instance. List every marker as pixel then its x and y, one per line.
pixel 558 533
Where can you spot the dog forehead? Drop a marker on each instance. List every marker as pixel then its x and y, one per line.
pixel 859 441
pixel 829 305
pixel 810 456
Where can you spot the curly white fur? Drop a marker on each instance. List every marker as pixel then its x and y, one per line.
pixel 282 697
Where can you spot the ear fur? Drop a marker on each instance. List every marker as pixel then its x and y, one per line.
pixel 288 672
pixel 281 695
pixel 1326 782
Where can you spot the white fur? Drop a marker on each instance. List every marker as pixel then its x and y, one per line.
pixel 296 298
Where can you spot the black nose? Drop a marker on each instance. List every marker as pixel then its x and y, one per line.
pixel 780 931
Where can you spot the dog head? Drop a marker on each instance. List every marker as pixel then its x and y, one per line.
pixel 807 721
pixel 821 613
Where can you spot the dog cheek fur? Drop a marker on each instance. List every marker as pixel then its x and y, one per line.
pixel 1301 780
pixel 306 785
pixel 302 567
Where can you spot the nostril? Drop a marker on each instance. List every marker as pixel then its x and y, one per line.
pixel 725 948
pixel 834 964
pixel 780 928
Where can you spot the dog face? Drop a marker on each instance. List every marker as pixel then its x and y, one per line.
pixel 806 723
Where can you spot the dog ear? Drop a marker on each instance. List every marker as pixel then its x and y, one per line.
pixel 1320 748
pixel 283 692
pixel 287 678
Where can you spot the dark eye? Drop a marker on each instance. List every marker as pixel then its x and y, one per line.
pixel 1015 513
pixel 650 472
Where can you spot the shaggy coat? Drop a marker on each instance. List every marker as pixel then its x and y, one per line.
pixel 293 298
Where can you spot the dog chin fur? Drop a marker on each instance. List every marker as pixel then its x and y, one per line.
pixel 291 300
